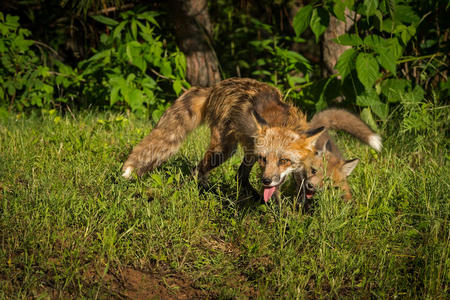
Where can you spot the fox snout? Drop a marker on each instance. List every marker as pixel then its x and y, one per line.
pixel 309 186
pixel 267 181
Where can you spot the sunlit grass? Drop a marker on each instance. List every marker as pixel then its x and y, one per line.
pixel 67 214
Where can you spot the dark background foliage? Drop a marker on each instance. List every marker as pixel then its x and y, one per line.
pixel 372 56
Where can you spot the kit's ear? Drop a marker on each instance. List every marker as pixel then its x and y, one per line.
pixel 326 148
pixel 349 166
pixel 259 121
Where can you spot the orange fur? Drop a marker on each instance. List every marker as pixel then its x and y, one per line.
pixel 238 111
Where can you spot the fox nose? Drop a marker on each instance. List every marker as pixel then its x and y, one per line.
pixel 309 186
pixel 266 180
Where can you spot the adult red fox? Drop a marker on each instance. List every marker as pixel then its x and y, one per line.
pixel 279 137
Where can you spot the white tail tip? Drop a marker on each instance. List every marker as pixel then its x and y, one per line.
pixel 375 142
pixel 127 173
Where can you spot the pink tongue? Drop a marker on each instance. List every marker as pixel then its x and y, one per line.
pixel 268 192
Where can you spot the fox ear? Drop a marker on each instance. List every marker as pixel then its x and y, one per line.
pixel 260 123
pixel 349 166
pixel 313 135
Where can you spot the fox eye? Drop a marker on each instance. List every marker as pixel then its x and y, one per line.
pixel 261 158
pixel 313 171
pixel 284 161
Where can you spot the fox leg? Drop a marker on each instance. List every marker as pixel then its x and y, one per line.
pixel 220 149
pixel 243 174
pixel 347 193
pixel 301 185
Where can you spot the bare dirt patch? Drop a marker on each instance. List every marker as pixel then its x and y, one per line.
pixel 136 284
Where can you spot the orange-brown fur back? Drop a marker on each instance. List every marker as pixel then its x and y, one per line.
pixel 231 110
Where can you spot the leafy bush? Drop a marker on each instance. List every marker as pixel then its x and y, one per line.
pixel 26 80
pixel 383 39
pixel 133 66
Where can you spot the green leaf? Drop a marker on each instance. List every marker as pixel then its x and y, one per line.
pixel 406 14
pixel 388 60
pixel 392 8
pixel 134 28
pixel 3 48
pixel 12 21
pixel 339 10
pixel 368 98
pixel 320 19
pixel 345 62
pixel 135 99
pixel 114 96
pixel 140 62
pixel 105 20
pixel 379 16
pixel 294 80
pixel 180 63
pixel 10 87
pixel 156 115
pixel 4 114
pixel 100 55
pixel 146 31
pixel 417 94
pixel 150 17
pixel 301 19
pixel 370 7
pixel 393 45
pixel 177 86
pixel 381 110
pixel 367 69
pixel 21 44
pixel 393 89
pixel 366 116
pixel 405 32
pixel 261 72
pixel 375 42
pixel 149 83
pixel 166 69
pixel 118 30
pixel 349 39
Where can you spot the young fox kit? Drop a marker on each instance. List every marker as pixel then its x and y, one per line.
pixel 280 143
pixel 328 161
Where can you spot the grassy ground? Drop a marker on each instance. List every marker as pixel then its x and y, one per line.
pixel 70 226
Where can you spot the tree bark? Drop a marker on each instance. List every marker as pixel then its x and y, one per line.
pixel 193 32
pixel 331 51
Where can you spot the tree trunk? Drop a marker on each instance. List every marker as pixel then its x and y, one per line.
pixel 331 51
pixel 193 32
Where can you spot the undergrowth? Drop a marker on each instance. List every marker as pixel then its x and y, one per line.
pixel 68 220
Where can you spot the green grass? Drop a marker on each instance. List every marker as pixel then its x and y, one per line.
pixel 70 226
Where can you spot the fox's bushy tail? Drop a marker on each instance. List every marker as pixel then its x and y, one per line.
pixel 165 139
pixel 339 119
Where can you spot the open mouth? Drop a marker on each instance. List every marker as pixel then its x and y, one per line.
pixel 309 193
pixel 309 190
pixel 269 191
